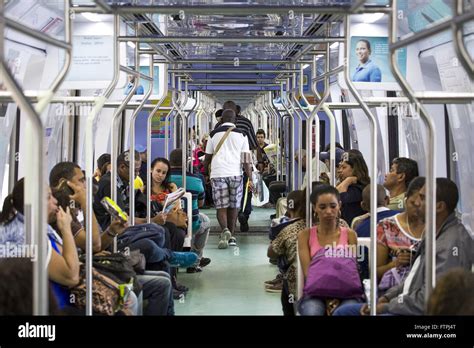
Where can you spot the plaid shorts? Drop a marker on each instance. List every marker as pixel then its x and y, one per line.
pixel 227 192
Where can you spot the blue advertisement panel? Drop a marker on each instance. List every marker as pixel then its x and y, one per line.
pixel 369 60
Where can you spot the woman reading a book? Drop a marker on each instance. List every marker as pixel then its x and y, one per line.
pixel 161 187
pixel 160 175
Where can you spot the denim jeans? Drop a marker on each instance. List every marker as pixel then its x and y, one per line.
pixel 317 307
pixel 200 236
pixel 157 291
pixel 353 309
pixel 149 239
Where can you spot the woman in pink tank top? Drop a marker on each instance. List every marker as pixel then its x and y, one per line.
pixel 328 234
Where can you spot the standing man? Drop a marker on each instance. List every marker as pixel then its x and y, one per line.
pixel 227 151
pixel 246 127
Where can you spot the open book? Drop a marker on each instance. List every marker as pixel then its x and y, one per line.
pixel 113 209
pixel 173 199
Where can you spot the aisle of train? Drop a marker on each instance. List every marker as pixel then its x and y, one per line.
pixel 233 283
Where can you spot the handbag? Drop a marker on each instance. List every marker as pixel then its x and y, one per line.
pixel 218 147
pixel 116 267
pixel 108 297
pixel 331 275
pixel 394 276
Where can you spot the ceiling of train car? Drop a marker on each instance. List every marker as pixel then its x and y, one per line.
pixel 215 19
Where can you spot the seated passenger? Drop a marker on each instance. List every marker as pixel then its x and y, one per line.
pixel 63 261
pixel 16 288
pixel 161 186
pixel 283 246
pixel 103 166
pixel 200 222
pixel 68 185
pixel 454 248
pixel 154 249
pixel 361 224
pixel 354 176
pixel 327 237
pixel 402 172
pixel 398 238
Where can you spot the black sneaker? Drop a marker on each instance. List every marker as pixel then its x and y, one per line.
pixel 178 295
pixel 243 220
pixel 204 262
pixel 194 269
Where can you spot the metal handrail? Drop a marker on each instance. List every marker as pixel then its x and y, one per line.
pixel 114 136
pixel 89 164
pixel 461 50
pixel 283 97
pixel 35 192
pixel 148 146
pixel 372 168
pixel 131 135
pixel 430 227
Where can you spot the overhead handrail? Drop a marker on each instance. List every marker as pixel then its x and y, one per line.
pixel 430 185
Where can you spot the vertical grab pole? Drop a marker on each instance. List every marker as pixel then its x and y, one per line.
pixel 330 115
pixel 298 177
pixel 35 192
pixel 300 126
pixel 279 139
pixel 114 137
pixel 373 169
pixel 89 157
pixel 430 228
pixel 132 141
pixel 148 144
pixel 184 152
pixel 167 118
pixel 291 133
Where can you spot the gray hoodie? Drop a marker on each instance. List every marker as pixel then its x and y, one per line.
pixel 454 248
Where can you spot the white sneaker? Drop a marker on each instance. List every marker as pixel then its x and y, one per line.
pixel 232 241
pixel 225 236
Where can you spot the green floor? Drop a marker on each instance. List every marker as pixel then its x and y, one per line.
pixel 232 284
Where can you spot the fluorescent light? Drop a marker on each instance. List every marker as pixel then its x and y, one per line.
pixel 131 44
pixel 305 66
pixel 371 17
pixel 93 17
pixel 334 45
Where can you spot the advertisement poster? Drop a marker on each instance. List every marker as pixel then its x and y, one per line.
pixel 158 121
pixel 369 60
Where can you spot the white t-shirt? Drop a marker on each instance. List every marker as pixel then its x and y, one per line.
pixel 228 161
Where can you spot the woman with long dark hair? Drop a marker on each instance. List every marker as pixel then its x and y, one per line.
pixel 354 176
